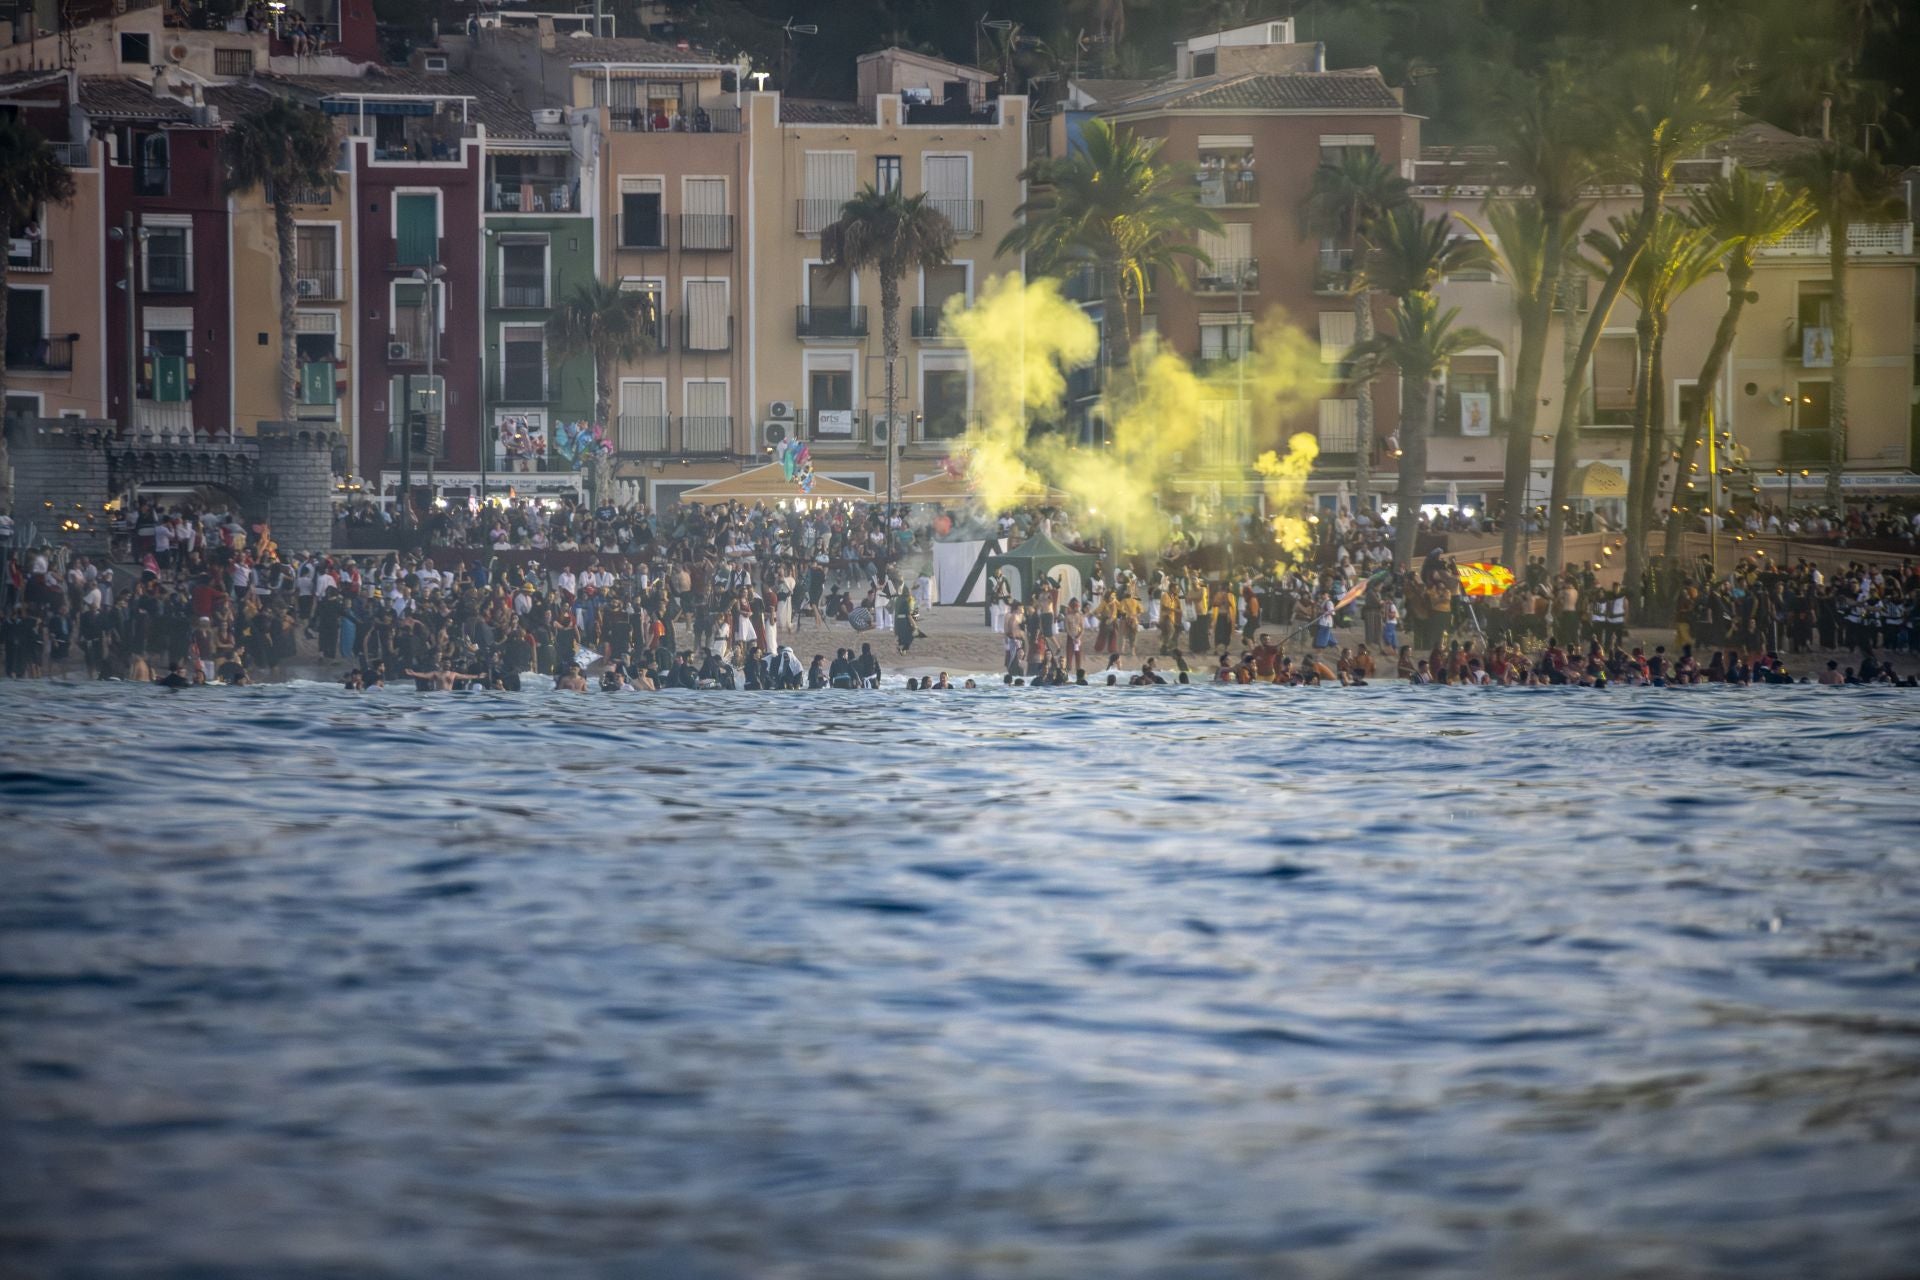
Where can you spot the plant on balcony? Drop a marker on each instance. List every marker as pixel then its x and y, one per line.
pixel 1745 214
pixel 283 150
pixel 30 175
pixel 1662 105
pixel 1843 186
pixel 1678 255
pixel 613 326
pixel 892 234
pixel 1421 342
pixel 1347 198
pixel 1112 203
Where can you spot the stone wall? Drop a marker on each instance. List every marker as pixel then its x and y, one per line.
pixel 60 477
pixel 296 474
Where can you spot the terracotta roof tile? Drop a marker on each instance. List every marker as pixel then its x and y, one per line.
pixel 1359 89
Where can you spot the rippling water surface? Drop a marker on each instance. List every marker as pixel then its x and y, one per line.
pixel 1183 983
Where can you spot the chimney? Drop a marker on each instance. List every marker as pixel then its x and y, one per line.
pixel 544 26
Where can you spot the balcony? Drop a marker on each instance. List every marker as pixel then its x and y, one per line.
pixel 1228 275
pixel 312 197
pixel 830 322
pixel 408 338
pixel 963 214
pixel 1228 190
pixel 708 336
pixel 636 434
pixel 1864 240
pixel 812 214
pixel 169 272
pixel 639 119
pixel 706 233
pixel 706 435
pixel 318 284
pixel 533 195
pixel 643 234
pixel 30 253
pixel 30 353
pixel 71 154
pixel 1333 273
pixel 522 293
pixel 1084 383
pixel 1805 445
pixel 929 324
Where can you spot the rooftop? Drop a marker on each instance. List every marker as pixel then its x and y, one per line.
pixel 500 110
pixel 823 111
pixel 121 98
pixel 1359 89
pixel 630 50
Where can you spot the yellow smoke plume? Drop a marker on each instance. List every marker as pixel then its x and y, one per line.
pixel 1164 417
pixel 1286 485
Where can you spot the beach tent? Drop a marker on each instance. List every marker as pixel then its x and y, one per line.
pixel 770 484
pixel 954 579
pixel 1041 557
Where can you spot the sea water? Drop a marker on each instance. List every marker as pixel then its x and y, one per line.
pixel 1034 983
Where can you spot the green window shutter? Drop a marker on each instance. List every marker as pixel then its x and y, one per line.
pixel 416 218
pixel 170 379
pixel 316 382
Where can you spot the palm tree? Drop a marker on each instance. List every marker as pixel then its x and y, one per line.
pixel 1114 206
pixel 892 234
pixel 614 326
pixel 1843 186
pixel 1745 215
pixel 1546 146
pixel 1678 255
pixel 1669 105
pixel 1346 199
pixel 1421 343
pixel 1407 252
pixel 281 148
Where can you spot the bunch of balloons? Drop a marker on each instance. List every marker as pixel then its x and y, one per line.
pixel 578 442
pixel 796 464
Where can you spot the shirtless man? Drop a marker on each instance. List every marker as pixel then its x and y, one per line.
pixel 443 678
pixel 574 681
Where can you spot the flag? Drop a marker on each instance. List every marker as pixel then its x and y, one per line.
pixel 1477 579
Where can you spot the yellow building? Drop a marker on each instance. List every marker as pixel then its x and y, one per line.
pixel 818 367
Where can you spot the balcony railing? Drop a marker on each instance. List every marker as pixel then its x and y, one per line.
pixel 317 197
pixel 952 113
pixel 537 195
pixel 40 354
pixel 930 322
pixel 963 214
pixel 1864 239
pixel 1806 445
pixel 169 272
pixel 648 234
pixel 706 435
pixel 830 322
pixel 637 119
pixel 1333 273
pixel 407 337
pixel 1225 190
pixel 706 232
pixel 812 214
pixel 706 337
pixel 1228 275
pixel 641 433
pixel 519 294
pixel 71 154
pixel 318 284
pixel 33 253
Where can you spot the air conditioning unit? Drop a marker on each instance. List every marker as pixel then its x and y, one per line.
pixel 880 427
pixel 399 351
pixel 307 288
pixel 780 409
pixel 775 432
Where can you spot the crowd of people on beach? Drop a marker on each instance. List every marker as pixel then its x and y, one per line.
pixel 717 597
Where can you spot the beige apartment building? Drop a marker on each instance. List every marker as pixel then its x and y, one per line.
pixel 1773 394
pixel 818 370
pixel 324 315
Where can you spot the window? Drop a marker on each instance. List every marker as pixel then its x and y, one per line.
pixel 26 327
pixel 1226 436
pixel 950 190
pixel 1336 336
pixel 937 286
pixel 233 63
pixel 886 174
pixel 166 347
pixel 415 401
pixel 653 310
pixel 1335 146
pixel 709 326
pixel 827 288
pixel 1472 397
pixel 1812 406
pixel 315 345
pixel 704 222
pixel 523 271
pixel 1232 266
pixel 409 328
pixel 168 253
pixel 1615 365
pixel 152 175
pixel 1225 337
pixel 1813 343
pixel 316 262
pixel 523 362
pixel 1339 426
pixel 642 426
pixel 136 47
pixel 1225 174
pixel 830 395
pixel 944 395
pixel 828 185
pixel 416 220
pixel 1205 63
pixel 706 426
pixel 640 221
pixel 1479 273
